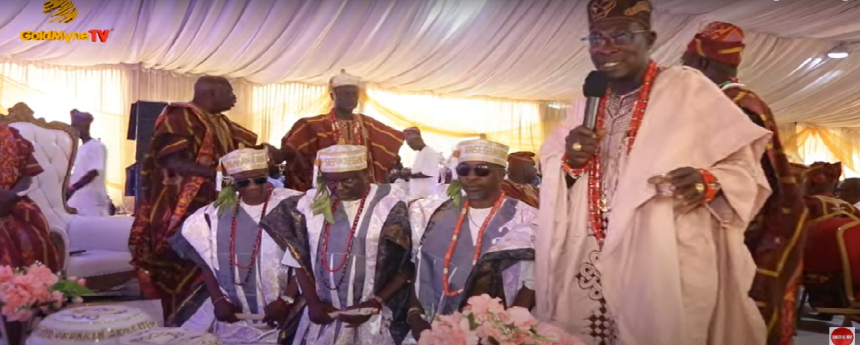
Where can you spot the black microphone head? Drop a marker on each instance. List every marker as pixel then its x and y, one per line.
pixel 595 84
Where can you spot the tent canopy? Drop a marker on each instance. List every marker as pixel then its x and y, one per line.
pixel 498 48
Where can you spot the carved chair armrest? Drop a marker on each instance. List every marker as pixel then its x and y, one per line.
pixel 61 241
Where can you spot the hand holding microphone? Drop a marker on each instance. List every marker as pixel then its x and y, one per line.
pixel 581 143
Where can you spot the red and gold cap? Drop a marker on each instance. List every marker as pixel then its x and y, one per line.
pixel 719 41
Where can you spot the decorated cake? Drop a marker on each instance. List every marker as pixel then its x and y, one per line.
pixel 169 336
pixel 89 325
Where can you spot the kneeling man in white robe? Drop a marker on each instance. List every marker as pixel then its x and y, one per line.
pixel 243 276
pixel 349 242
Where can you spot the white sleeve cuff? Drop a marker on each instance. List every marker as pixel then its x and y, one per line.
pixel 527 274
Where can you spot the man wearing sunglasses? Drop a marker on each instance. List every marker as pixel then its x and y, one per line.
pixel 472 243
pixel 239 260
pixel 349 242
pixel 716 51
pixel 643 215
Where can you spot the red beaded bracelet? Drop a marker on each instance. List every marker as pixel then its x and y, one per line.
pixel 711 186
pixel 573 172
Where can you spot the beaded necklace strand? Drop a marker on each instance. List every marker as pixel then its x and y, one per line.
pixel 356 131
pixel 254 254
pixel 350 240
pixel 597 201
pixel 478 242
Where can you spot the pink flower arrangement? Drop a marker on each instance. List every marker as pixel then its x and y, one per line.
pixel 24 292
pixel 485 321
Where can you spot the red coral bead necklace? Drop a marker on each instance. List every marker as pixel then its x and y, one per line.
pixel 255 253
pixel 478 243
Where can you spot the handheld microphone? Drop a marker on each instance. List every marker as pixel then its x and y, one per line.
pixel 595 87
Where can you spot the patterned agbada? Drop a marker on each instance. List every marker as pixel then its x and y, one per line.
pixel 465 251
pixel 526 193
pixel 24 233
pixel 311 134
pixel 506 259
pixel 370 239
pixel 205 239
pixel 225 237
pixel 823 277
pixel 776 236
pixel 181 129
pixel 379 252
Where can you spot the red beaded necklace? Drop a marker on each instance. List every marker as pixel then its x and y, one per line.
pixel 478 242
pixel 256 252
pixel 351 234
pixel 356 131
pixel 596 201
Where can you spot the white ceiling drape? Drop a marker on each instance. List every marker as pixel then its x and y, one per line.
pixel 499 48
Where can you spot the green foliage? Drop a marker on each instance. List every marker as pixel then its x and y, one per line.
pixel 322 201
pixel 71 289
pixel 455 192
pixel 227 199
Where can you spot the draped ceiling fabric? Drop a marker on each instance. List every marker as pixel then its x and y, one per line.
pixel 280 54
pixel 497 48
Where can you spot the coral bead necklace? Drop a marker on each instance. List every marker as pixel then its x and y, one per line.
pixel 478 242
pixel 337 135
pixel 255 253
pixel 597 200
pixel 349 241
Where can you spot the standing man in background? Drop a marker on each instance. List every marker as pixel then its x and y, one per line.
pixel 424 175
pixel 88 192
pixel 776 236
pixel 341 126
pixel 178 177
pixel 522 176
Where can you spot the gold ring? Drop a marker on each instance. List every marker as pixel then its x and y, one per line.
pixel 700 188
pixel 576 147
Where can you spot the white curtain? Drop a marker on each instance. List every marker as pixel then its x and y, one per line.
pixel 277 107
pixel 415 50
pixel 507 49
pixel 445 120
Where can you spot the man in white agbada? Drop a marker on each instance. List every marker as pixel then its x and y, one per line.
pixel 642 222
pixel 424 174
pixel 491 236
pixel 349 242
pixel 241 268
pixel 88 191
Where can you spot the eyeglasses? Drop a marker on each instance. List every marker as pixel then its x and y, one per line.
pixel 246 182
pixel 618 38
pixel 480 170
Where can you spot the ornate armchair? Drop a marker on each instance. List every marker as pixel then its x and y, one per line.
pixel 848 241
pixel 105 262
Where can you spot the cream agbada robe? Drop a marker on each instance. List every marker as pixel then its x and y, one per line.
pixel 667 278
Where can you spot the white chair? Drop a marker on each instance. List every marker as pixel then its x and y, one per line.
pixel 105 263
